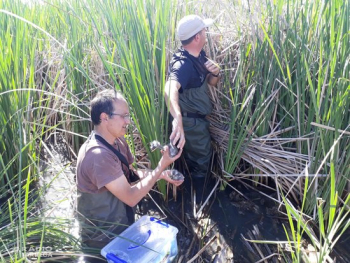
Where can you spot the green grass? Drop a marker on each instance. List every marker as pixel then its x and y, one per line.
pixel 287 77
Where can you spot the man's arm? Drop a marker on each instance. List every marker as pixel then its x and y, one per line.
pixel 165 175
pixel 214 70
pixel 171 94
pixel 213 80
pixel 131 195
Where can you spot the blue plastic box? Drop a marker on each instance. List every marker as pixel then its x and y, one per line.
pixel 147 240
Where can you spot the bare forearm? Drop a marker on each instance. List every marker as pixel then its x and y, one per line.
pixel 213 80
pixel 172 99
pixel 214 70
pixel 131 195
pixel 139 190
pixel 142 173
pixel 171 94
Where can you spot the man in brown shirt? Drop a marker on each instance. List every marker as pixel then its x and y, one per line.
pixel 105 192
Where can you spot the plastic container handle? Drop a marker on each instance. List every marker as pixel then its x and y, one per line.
pixel 140 244
pixel 159 222
pixel 114 258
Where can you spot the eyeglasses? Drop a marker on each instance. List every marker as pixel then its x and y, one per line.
pixel 125 116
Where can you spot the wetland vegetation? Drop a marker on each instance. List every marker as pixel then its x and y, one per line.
pixel 280 122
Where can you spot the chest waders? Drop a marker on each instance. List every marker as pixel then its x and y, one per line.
pixel 99 215
pixel 195 104
pixel 102 213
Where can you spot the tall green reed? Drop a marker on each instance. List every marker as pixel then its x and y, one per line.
pixel 135 39
pixel 323 235
pixel 50 69
pixel 293 73
pixel 137 43
pixel 300 54
pixel 303 49
pixel 17 138
pixel 26 106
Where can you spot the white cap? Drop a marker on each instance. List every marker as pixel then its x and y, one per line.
pixel 191 25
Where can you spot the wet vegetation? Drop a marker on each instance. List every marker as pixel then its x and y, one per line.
pixel 281 110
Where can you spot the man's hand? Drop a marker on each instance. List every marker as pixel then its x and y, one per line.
pixel 177 136
pixel 212 67
pixel 166 176
pixel 166 159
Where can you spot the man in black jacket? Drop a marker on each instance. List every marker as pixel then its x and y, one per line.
pixel 186 94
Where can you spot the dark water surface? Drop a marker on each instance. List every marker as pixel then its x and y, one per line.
pixel 227 216
pixel 236 216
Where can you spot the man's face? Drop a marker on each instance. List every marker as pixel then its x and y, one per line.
pixel 119 119
pixel 203 37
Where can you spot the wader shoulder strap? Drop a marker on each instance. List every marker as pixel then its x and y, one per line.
pixel 183 54
pixel 129 210
pixel 116 152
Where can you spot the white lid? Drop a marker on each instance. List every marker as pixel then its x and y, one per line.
pixel 144 240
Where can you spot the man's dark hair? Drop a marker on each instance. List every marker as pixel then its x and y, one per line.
pixel 187 41
pixel 103 102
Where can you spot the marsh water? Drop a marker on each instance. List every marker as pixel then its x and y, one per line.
pixel 230 219
pixel 218 235
pixel 227 220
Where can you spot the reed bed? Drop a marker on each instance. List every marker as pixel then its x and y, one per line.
pixel 281 110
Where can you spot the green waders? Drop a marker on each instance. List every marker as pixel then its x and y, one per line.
pixel 195 102
pixel 100 215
